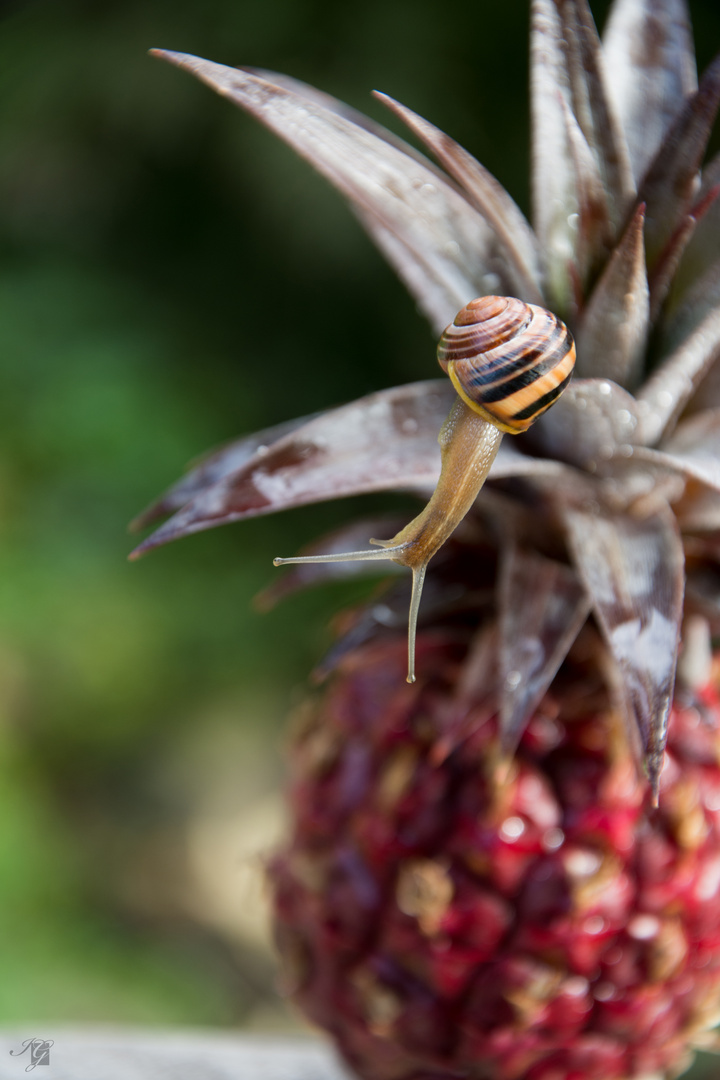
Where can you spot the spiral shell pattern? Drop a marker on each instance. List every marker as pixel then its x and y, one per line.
pixel 508 360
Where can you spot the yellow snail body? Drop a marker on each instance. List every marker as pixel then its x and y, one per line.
pixel 508 361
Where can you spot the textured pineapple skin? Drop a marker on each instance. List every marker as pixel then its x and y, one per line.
pixel 444 917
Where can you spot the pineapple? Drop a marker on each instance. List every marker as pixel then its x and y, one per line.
pixel 510 870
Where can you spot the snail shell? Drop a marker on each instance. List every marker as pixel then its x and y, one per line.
pixel 507 360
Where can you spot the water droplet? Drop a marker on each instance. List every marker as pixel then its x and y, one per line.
pixel 604 991
pixel 512 829
pixel 643 927
pixel 553 839
pixel 711 799
pixel 576 986
pixel 582 862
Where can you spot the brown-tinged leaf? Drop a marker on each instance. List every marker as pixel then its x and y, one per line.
pixel 650 65
pixel 211 467
pixel 555 203
pixel 512 462
pixel 693 449
pixel 698 510
pixel 488 196
pixel 703 251
pixel 672 180
pixel 663 397
pixel 612 337
pixel 542 607
pixel 592 226
pixel 632 565
pixel 592 108
pixel 437 300
pixel 384 441
pixel 592 421
pixel 701 298
pixel 386 181
pixel 666 265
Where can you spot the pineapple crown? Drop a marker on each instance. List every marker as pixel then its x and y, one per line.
pixel 625 247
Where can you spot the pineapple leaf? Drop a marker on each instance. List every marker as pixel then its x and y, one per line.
pixel 542 607
pixel 697 302
pixel 387 440
pixel 593 229
pixel 633 567
pixel 699 511
pixel 650 64
pixel 555 202
pixel 592 109
pixel 693 449
pixel 612 338
pixel 212 467
pixel 434 296
pixel 487 195
pixel 593 420
pixel 388 184
pixel 663 273
pixel 672 179
pixel 668 390
pixel 703 251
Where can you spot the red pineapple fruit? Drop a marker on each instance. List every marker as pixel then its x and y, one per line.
pixel 510 869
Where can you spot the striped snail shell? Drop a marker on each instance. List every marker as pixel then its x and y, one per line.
pixel 507 360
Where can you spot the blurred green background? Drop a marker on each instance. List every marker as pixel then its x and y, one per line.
pixel 147 232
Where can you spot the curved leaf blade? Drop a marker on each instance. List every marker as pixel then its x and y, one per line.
pixel 611 340
pixel 650 64
pixel 664 395
pixel 487 195
pixel 593 108
pixel 212 467
pixel 671 183
pixel 387 183
pixel 693 449
pixel 542 607
pixel 633 567
pixel 385 441
pixel 555 203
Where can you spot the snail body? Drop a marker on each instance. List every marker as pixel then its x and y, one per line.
pixel 508 361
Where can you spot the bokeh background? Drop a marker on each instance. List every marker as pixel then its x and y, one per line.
pixel 151 236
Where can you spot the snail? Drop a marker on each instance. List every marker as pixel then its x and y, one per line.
pixel 508 361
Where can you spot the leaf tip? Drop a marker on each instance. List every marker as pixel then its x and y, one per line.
pixel 147 545
pixel 171 57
